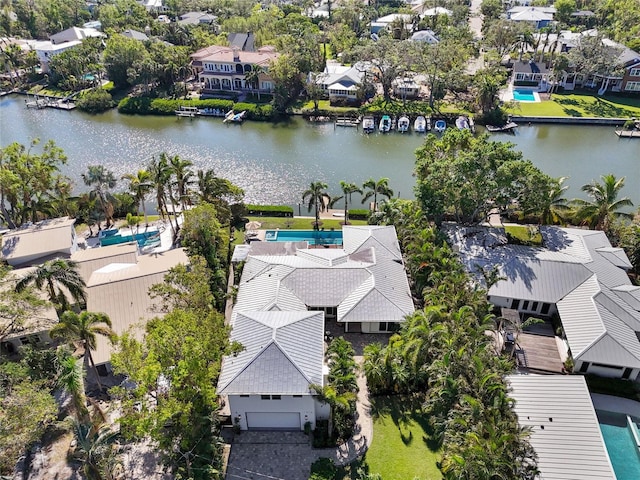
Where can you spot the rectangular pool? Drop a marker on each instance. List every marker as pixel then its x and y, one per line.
pixel 620 443
pixel 314 237
pixel 524 96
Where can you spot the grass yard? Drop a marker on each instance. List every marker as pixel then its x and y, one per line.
pixel 524 235
pixel 304 223
pixel 578 104
pixel 402 447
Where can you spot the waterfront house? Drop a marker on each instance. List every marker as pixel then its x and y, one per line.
pixel 35 243
pixel 422 10
pixel 405 88
pixel 75 34
pixel 385 23
pixel 534 75
pixel 197 18
pixel 225 68
pixel 565 432
pixel 426 36
pixel 625 79
pixel 341 83
pixel 537 17
pixel 577 275
pixel 91 259
pixel 288 296
pixel 121 290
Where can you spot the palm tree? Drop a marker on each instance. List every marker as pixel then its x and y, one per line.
pixel 54 276
pixel 315 196
pixel 70 378
pixel 102 180
pixel 252 78
pixel 347 190
pixel 140 185
pixel 555 206
pixel 381 187
pixel 182 173
pixel 95 448
pixel 605 205
pixel 84 327
pixel 161 178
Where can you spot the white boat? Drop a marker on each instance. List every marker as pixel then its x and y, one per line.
pixel 385 124
pixel 420 124
pixel 462 123
pixel 368 124
pixel 232 116
pixel 403 124
pixel 186 111
pixel 440 126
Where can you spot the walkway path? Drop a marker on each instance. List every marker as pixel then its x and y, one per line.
pixel 289 455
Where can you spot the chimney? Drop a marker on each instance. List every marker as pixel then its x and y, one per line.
pixel 236 54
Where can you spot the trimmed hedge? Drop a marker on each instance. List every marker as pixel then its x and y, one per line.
pixel 165 106
pixel 270 210
pixel 359 214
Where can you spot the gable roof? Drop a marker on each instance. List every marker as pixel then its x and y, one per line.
pixel 75 33
pixel 121 290
pixel 92 259
pixel 243 41
pixel 335 73
pixel 579 272
pixel 136 35
pixel 283 354
pixel 565 431
pixel 38 240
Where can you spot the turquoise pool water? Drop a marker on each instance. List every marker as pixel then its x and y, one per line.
pixel 621 446
pixel 314 237
pixel 116 237
pixel 524 96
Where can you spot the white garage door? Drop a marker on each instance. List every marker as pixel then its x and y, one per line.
pixel 273 421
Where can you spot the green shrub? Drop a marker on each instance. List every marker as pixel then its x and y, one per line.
pixel 95 101
pixel 359 214
pixel 323 469
pixel 166 106
pixel 270 210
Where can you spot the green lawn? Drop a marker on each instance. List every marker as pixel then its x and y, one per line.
pixel 579 104
pixel 326 105
pixel 402 447
pixel 301 223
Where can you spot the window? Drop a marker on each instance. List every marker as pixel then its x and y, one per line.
pixel 534 307
pixel 297 396
pixel 612 367
pixel 545 308
pixel 268 397
pixel 265 397
pixel 276 397
pixel 388 327
pixel 525 305
pixel 584 367
pixel 632 87
pixel 244 396
pixel 634 72
pixel 515 304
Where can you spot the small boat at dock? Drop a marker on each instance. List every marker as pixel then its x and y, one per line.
pixel 440 126
pixel 508 127
pixel 231 116
pixel 211 112
pixel 403 124
pixel 462 123
pixel 368 124
pixel 187 112
pixel 385 124
pixel 347 121
pixel 420 124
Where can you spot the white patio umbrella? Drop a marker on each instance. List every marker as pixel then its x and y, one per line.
pixel 253 225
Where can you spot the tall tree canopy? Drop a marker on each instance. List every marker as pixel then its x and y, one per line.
pixel 467 177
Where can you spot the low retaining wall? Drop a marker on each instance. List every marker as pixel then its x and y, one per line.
pixel 571 120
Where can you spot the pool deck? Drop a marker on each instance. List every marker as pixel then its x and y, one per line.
pixel 613 404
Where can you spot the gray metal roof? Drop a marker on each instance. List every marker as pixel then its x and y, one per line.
pixel 570 446
pixel 580 272
pixel 383 238
pixel 283 353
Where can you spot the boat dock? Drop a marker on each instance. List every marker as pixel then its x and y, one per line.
pixel 49 102
pixel 347 122
pixel 628 133
pixel 505 128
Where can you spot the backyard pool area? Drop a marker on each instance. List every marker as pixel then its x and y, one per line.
pixel 115 236
pixel 525 95
pixel 621 436
pixel 314 237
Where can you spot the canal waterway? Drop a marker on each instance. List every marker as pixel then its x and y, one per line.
pixel 275 163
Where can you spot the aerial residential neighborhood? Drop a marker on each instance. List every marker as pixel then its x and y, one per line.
pixel 343 239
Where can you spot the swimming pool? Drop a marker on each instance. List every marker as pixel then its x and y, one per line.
pixel 116 237
pixel 314 237
pixel 524 96
pixel 621 444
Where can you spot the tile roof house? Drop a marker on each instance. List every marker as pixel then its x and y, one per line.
pixel 33 244
pixel 564 427
pixel 224 68
pixel 121 290
pixel 286 298
pixel 579 276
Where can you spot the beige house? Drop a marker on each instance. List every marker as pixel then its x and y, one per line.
pixel 225 68
pixel 121 290
pixel 36 243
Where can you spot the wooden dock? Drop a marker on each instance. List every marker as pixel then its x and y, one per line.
pixel 628 133
pixel 347 122
pixel 48 102
pixel 505 128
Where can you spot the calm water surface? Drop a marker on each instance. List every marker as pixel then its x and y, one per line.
pixel 276 163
